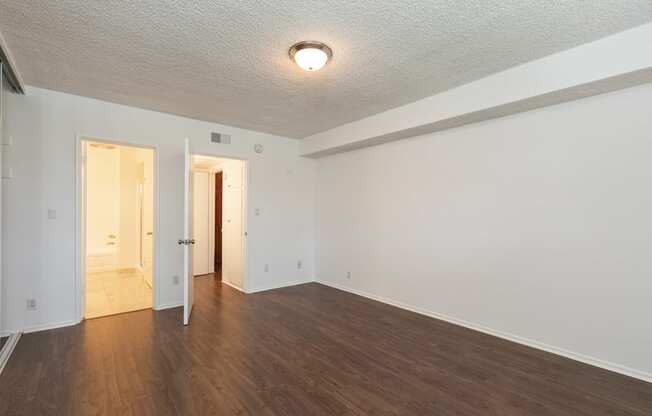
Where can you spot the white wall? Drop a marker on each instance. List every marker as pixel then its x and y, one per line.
pixel 133 166
pixel 40 261
pixel 536 225
pixel 114 178
pixel 103 201
pixel 4 86
pixel 148 218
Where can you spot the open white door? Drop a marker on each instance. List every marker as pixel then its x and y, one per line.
pixel 187 241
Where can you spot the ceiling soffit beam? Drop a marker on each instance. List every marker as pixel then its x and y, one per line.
pixel 9 69
pixel 616 62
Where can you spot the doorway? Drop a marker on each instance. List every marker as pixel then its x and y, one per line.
pixel 117 231
pixel 218 194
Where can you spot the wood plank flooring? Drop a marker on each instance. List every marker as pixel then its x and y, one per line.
pixel 302 350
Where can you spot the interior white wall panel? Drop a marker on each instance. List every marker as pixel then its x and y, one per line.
pixel 535 225
pixel 45 125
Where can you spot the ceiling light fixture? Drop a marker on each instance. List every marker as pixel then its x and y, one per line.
pixel 310 55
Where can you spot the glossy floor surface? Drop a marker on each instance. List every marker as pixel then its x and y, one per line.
pixel 110 293
pixel 301 350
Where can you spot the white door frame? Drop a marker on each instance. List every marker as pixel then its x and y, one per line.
pixel 80 220
pixel 245 212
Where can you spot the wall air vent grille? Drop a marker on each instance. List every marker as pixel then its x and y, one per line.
pixel 220 138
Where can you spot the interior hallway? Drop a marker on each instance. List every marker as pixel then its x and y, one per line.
pixel 109 293
pixel 300 350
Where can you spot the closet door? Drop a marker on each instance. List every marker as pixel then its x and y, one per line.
pixel 233 224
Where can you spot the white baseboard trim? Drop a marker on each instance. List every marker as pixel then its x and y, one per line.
pixel 232 285
pixel 171 305
pixel 278 286
pixel 39 327
pixel 47 326
pixel 7 349
pixel 617 368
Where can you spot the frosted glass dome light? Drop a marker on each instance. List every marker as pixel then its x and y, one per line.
pixel 310 56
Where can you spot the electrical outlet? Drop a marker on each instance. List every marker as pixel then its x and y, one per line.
pixel 299 264
pixel 257 212
pixel 31 304
pixel 348 275
pixel 52 214
pixel 266 267
pixel 175 280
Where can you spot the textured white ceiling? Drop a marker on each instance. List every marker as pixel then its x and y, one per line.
pixel 226 61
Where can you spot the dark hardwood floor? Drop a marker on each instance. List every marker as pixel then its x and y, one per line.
pixel 217 275
pixel 302 350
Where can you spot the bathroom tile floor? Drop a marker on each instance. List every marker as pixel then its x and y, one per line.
pixel 110 293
